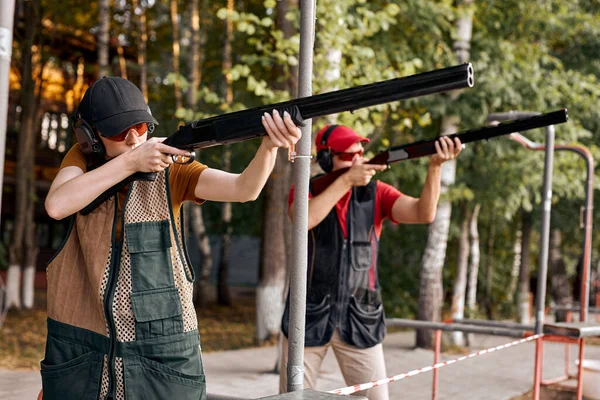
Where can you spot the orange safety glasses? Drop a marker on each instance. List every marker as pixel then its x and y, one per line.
pixel 140 129
pixel 348 156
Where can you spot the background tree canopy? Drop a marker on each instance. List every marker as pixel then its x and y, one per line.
pixel 538 55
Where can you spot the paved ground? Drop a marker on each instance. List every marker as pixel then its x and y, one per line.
pixel 246 373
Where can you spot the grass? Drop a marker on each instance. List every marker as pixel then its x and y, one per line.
pixel 23 335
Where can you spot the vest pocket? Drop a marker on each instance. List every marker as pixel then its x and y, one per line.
pixel 366 326
pixel 145 378
pixel 78 378
pixel 362 255
pixel 157 312
pixel 317 320
pixel 149 246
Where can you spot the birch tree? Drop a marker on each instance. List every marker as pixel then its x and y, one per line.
pixel 430 288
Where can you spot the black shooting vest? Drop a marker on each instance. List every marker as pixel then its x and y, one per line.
pixel 342 285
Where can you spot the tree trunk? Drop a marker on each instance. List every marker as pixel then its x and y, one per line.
pixel 276 253
pixel 103 38
pixel 198 229
pixel 474 263
pixel 194 54
pixel 460 281
pixel 523 312
pixel 430 287
pixel 489 270
pixel 516 266
pixel 31 252
pixel 142 40
pixel 122 62
pixel 175 25
pixel 194 211
pixel 473 268
pixel 223 293
pixel 433 258
pixel 23 221
pixel 560 287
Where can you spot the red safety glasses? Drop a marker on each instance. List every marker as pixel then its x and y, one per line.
pixel 140 129
pixel 348 156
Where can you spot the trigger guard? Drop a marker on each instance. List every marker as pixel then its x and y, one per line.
pixel 190 159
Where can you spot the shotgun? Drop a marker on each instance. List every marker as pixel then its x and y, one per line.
pixel 427 147
pixel 247 124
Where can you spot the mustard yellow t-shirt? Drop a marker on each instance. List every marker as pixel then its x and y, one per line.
pixel 182 181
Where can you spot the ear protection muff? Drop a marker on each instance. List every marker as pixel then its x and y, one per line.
pixel 89 142
pixel 324 156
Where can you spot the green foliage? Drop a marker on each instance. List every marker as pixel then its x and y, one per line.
pixel 538 55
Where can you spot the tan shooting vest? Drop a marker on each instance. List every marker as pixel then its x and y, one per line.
pixel 120 315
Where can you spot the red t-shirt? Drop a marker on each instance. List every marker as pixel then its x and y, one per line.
pixel 385 197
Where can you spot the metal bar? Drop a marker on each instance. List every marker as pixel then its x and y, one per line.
pixel 409 323
pixel 560 339
pixel 591 310
pixel 580 370
pixel 492 323
pixel 295 367
pixel 537 371
pixel 545 231
pixel 567 349
pixel 552 381
pixel 544 237
pixel 436 360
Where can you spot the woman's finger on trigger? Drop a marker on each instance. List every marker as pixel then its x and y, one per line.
pixel 167 158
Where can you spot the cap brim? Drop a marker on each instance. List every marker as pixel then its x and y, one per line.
pixel 343 143
pixel 116 124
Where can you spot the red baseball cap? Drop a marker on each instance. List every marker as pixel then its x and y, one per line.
pixel 339 139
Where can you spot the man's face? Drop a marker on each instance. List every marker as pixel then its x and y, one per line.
pixel 126 140
pixel 346 158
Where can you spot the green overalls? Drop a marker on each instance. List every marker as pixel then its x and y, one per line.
pixel 121 322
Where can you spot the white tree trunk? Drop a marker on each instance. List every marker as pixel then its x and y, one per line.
pixel 514 273
pixel 474 263
pixel 13 287
pixel 269 309
pixel 430 287
pixel 332 75
pixel 435 252
pixel 473 268
pixel 523 307
pixel 28 286
pixel 460 282
pixel 103 38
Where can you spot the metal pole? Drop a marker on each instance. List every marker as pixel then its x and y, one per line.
pixel 546 208
pixel 543 260
pixel 544 241
pixel 545 231
pixel 7 12
pixel 587 216
pixel 295 366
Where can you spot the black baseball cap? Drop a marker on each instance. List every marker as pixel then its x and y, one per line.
pixel 113 104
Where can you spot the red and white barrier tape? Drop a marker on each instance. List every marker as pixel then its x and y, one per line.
pixel 369 385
